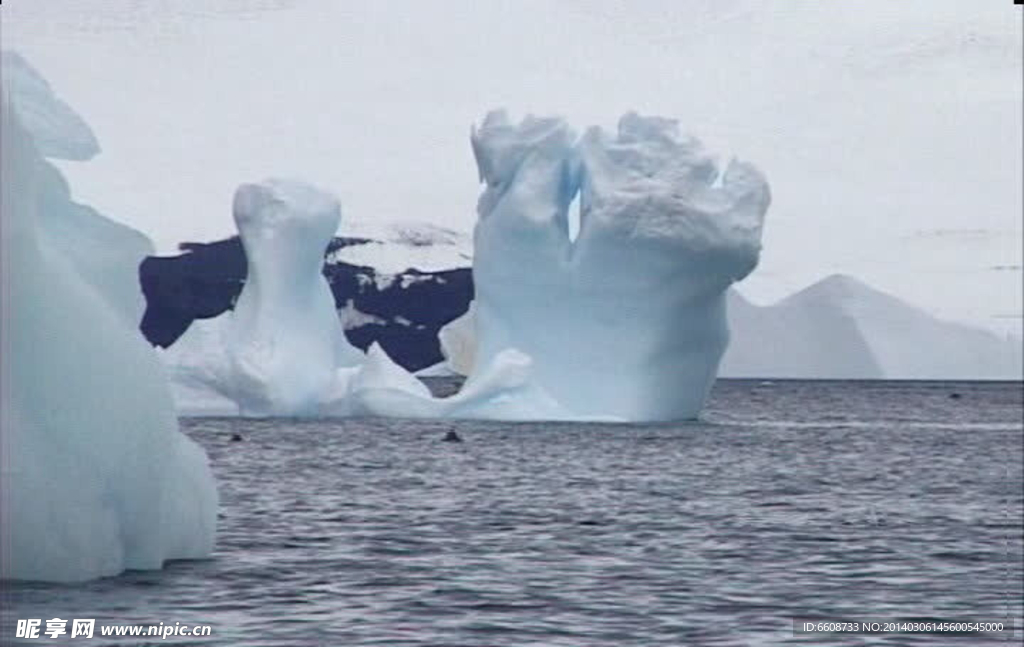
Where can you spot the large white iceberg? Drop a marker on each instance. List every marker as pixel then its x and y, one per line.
pixel 96 476
pixel 282 350
pixel 627 320
pixel 286 339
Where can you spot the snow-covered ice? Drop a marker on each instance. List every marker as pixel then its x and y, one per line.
pixel 628 320
pixel 394 247
pixel 96 476
pixel 280 350
pixel 286 339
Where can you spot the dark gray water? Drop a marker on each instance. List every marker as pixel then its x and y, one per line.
pixel 842 499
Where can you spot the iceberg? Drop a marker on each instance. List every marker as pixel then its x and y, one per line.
pixel 503 390
pixel 97 477
pixel 661 237
pixel 457 339
pixel 282 350
pixel 628 319
pixel 286 339
pixel 58 132
pixel 105 253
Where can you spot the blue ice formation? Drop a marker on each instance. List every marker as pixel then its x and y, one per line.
pixel 627 320
pixel 96 476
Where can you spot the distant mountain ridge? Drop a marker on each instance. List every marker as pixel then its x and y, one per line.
pixel 840 327
pixel 837 328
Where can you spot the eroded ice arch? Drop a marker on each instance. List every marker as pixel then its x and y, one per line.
pixel 627 320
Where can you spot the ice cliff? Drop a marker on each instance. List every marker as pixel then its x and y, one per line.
pixel 96 476
pixel 58 131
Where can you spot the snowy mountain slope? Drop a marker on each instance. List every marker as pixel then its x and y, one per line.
pixel 841 328
pixel 393 247
pixel 908 342
pixel 812 341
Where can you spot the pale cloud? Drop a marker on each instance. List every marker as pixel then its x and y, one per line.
pixel 875 121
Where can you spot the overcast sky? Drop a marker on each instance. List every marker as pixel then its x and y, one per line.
pixel 890 131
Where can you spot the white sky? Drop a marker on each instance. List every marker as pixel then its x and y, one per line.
pixel 891 132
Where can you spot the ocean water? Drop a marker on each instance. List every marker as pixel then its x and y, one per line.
pixel 845 500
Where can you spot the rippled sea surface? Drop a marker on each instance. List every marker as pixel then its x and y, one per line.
pixel 838 499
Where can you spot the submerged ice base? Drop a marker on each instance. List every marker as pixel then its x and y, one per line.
pixel 96 477
pixel 628 320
